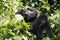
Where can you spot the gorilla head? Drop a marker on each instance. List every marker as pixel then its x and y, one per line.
pixel 29 14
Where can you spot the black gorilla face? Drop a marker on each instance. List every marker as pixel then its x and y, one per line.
pixel 29 14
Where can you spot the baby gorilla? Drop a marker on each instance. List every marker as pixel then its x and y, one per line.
pixel 38 23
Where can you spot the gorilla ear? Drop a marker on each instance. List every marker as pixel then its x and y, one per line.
pixel 20 11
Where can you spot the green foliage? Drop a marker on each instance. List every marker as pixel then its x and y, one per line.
pixel 14 27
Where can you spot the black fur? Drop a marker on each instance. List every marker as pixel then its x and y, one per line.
pixel 38 23
pixel 43 23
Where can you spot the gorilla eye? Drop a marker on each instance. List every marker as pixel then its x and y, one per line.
pixel 29 9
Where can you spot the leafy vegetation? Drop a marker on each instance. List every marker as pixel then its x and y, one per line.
pixel 13 27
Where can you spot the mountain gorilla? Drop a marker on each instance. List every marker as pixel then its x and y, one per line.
pixel 38 23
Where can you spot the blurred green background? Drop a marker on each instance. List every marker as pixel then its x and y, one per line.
pixel 13 27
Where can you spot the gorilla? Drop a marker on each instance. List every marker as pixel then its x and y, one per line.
pixel 38 23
